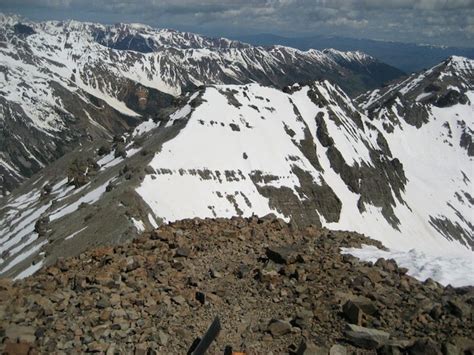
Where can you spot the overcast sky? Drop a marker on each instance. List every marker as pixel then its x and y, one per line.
pixel 445 22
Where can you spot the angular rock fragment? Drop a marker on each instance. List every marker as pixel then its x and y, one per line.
pixel 366 337
pixel 279 327
pixel 282 255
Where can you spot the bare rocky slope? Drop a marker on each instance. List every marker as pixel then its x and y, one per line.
pixel 276 289
pixel 65 83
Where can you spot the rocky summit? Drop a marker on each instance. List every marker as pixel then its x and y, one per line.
pixel 276 288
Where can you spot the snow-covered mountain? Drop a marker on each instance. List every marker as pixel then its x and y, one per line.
pixel 398 173
pixel 429 116
pixel 66 82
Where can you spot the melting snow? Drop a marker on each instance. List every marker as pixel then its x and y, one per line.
pixel 456 270
pixel 30 270
pixel 139 225
pixel 152 221
pixel 90 197
pixel 19 258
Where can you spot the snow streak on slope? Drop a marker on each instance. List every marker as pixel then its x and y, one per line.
pixel 18 238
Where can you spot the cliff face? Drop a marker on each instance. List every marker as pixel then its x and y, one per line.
pixel 274 287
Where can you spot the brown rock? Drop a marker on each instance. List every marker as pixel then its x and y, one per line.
pixel 308 348
pixel 424 346
pixel 338 350
pixel 463 344
pixel 141 349
pixel 105 315
pixel 389 265
pixel 279 327
pixel 282 255
pixel 352 313
pixel 14 348
pixel 458 308
pixel 374 276
pixel 179 300
pixel 355 309
pixel 182 252
pixel 163 337
pixel 97 347
pixel 102 252
pixel 18 333
pixel 103 303
pixel 104 278
pixel 46 305
pixel 366 337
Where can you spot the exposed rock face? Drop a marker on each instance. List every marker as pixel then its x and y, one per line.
pixel 366 337
pixel 80 171
pixel 275 288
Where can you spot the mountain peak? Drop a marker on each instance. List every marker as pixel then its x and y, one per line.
pixel 443 84
pixel 349 55
pixel 459 60
pixel 10 19
pixel 462 65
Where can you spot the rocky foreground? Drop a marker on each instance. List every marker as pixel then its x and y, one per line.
pixel 276 290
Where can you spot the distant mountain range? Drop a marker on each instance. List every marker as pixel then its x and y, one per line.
pixel 67 82
pixel 408 57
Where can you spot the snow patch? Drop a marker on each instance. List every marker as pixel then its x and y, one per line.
pixel 139 225
pixel 32 269
pixel 455 270
pixel 90 197
pixel 152 221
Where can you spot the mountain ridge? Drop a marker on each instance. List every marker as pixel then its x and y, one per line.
pixel 307 153
pixel 62 86
pixel 409 57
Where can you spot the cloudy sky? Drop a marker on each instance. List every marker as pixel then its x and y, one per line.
pixel 444 22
